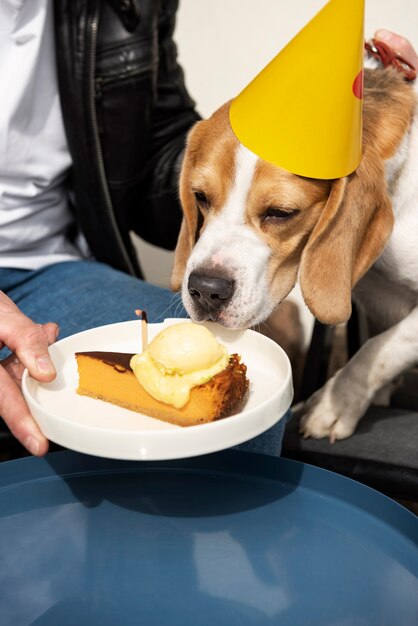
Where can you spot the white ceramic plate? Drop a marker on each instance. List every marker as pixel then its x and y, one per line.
pixel 102 429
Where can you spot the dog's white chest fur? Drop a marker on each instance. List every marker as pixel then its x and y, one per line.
pixel 399 260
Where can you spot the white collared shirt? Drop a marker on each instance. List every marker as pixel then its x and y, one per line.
pixel 34 156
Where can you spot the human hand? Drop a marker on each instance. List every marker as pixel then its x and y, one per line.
pixel 29 345
pixel 399 44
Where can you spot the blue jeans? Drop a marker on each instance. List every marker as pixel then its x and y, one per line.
pixel 79 295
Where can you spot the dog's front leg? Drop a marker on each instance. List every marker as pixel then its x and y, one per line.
pixel 335 410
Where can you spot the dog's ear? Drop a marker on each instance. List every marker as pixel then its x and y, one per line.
pixel 188 230
pixel 352 231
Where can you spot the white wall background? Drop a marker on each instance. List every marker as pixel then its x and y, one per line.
pixel 223 44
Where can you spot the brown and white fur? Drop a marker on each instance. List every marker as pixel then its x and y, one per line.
pixel 251 230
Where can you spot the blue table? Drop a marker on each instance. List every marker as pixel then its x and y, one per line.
pixel 226 539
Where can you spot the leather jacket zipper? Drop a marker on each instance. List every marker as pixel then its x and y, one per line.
pixel 96 141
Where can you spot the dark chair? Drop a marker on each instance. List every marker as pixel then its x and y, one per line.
pixel 383 451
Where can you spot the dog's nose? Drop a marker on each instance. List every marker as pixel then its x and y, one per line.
pixel 210 292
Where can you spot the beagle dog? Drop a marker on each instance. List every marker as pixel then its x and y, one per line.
pixel 251 230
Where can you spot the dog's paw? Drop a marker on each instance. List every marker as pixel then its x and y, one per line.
pixel 326 414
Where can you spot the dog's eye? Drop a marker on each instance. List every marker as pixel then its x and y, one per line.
pixel 201 199
pixel 275 214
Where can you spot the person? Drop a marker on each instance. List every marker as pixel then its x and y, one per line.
pixel 94 118
pixel 95 113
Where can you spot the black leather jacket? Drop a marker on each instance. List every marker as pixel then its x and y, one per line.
pixel 126 114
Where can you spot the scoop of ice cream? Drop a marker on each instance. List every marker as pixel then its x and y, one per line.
pixel 185 348
pixel 179 358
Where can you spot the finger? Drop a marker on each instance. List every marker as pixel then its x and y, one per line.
pixel 29 341
pixel 32 352
pixel 399 44
pixel 15 413
pixel 52 331
pixel 14 367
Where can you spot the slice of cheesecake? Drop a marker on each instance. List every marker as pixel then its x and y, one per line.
pixel 108 376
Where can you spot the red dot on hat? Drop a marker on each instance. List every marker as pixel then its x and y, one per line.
pixel 358 85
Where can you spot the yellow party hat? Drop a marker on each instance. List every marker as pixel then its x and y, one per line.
pixel 303 112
